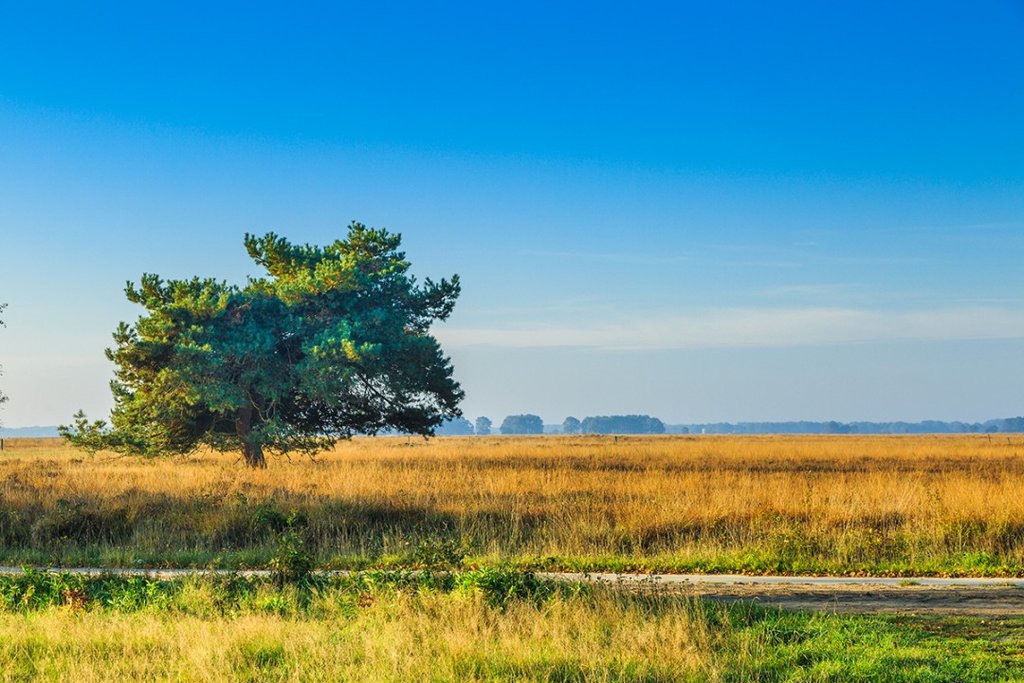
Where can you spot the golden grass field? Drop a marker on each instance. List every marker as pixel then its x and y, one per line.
pixel 759 503
pixel 840 504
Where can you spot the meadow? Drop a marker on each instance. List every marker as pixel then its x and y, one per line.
pixel 482 625
pixel 474 517
pixel 902 505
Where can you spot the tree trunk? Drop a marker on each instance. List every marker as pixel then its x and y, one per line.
pixel 251 449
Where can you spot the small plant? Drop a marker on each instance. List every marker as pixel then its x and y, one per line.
pixel 292 562
pixel 439 554
pixel 76 599
pixel 268 516
pixel 502 586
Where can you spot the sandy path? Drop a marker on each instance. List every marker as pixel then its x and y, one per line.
pixel 983 596
pixel 945 600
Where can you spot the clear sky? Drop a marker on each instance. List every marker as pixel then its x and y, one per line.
pixel 702 211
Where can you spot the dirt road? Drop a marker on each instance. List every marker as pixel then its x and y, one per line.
pixel 995 597
pixel 958 600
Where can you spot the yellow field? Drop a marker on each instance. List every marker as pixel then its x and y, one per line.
pixel 759 503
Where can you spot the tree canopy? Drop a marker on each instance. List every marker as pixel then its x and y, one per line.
pixel 482 426
pixel 522 424
pixel 333 341
pixel 622 424
pixel 456 426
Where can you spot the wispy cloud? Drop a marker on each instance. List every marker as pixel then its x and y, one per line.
pixel 638 258
pixel 809 290
pixel 753 328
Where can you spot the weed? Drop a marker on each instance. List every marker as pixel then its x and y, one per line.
pixel 502 586
pixel 439 553
pixel 292 562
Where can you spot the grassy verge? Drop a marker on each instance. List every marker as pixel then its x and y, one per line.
pixel 484 625
pixel 754 561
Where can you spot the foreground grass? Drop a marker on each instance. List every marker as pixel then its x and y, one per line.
pixel 484 626
pixel 947 505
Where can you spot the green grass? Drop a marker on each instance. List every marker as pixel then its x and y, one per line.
pixel 491 625
pixel 765 560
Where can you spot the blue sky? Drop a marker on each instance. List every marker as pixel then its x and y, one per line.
pixel 745 211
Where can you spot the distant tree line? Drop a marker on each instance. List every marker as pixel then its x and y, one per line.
pixel 513 424
pixel 1009 424
pixel 522 424
pixel 602 424
pixel 458 426
pixel 622 424
pixel 643 424
pixel 528 423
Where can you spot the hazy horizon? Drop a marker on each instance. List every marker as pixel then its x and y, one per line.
pixel 705 214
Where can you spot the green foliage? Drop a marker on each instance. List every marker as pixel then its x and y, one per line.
pixel 292 562
pixel 37 589
pixel 90 436
pixel 439 553
pixel 501 586
pixel 334 341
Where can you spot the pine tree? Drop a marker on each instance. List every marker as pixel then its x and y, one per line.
pixel 332 342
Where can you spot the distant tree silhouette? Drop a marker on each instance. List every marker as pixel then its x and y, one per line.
pixel 571 425
pixel 522 424
pixel 622 424
pixel 483 426
pixel 456 426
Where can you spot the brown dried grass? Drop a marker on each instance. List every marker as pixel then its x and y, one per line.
pixel 842 499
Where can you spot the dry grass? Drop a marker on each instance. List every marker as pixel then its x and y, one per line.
pixel 400 638
pixel 822 503
pixel 424 636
